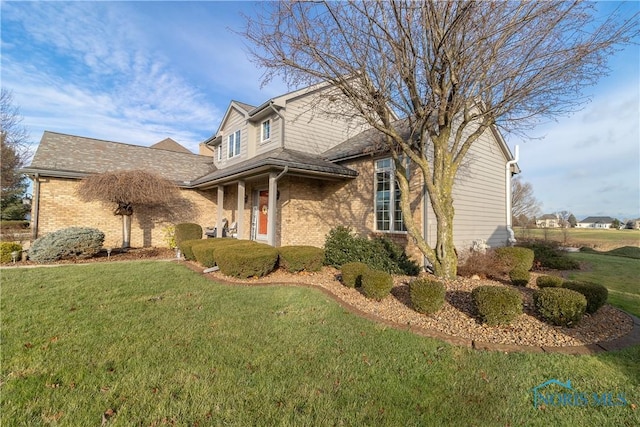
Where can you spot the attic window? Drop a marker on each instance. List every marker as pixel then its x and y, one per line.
pixel 266 130
pixel 234 144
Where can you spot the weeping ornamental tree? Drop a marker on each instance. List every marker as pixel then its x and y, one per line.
pixel 433 76
pixel 126 190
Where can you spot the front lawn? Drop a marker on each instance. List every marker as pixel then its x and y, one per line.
pixel 153 343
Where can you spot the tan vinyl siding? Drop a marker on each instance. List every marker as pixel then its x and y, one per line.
pixel 235 121
pixel 274 140
pixel 310 130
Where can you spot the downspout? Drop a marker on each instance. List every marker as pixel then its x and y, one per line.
pixel 512 239
pixel 35 209
pixel 281 123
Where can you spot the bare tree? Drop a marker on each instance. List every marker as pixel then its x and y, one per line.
pixel 448 70
pixel 127 189
pixel 14 140
pixel 524 206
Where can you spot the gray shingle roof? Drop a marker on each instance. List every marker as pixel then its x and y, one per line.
pixel 598 220
pixel 280 157
pixel 368 142
pixel 59 153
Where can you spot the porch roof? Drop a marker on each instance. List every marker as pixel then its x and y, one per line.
pixel 297 162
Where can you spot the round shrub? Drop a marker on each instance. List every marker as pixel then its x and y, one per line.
pixel 301 258
pixel 68 243
pixel 549 282
pixel 352 274
pixel 187 231
pixel 427 295
pixel 515 257
pixel 237 261
pixel 6 248
pixel 519 277
pixel 376 284
pixel 497 305
pixel 186 247
pixel 595 294
pixel 560 306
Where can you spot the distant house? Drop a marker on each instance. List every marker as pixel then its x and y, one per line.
pixel 633 224
pixel 595 222
pixel 548 221
pixel 281 173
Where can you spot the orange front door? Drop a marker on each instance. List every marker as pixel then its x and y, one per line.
pixel 263 210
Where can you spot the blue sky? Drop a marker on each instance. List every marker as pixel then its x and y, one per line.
pixel 139 72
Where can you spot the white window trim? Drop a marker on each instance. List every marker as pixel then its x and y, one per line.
pixel 392 198
pixel 234 141
pixel 219 150
pixel 262 138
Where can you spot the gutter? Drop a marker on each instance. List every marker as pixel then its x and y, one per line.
pixel 512 239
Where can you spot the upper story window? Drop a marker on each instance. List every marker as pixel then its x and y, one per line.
pixel 387 198
pixel 219 151
pixel 234 144
pixel 265 131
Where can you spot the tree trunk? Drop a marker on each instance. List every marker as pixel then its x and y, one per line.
pixel 446 263
pixel 126 231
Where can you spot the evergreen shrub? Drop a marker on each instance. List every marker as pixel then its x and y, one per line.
pixel 515 257
pixel 67 243
pixel 239 261
pixel 595 294
pixel 549 282
pixel 187 231
pixel 301 258
pixel 519 277
pixel 352 274
pixel 376 284
pixel 560 306
pixel 497 305
pixel 427 295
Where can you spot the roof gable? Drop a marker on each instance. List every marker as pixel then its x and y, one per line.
pixel 170 145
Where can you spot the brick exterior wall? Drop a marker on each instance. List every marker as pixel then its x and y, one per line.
pixel 59 207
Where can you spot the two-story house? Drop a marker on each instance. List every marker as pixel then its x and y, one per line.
pixel 284 172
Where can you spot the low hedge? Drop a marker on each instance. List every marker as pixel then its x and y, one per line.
pixel 187 231
pixel 595 294
pixel 427 295
pixel 560 306
pixel 352 274
pixel 186 247
pixel 376 284
pixel 301 258
pixel 497 305
pixel 519 277
pixel 6 248
pixel 203 254
pixel 237 261
pixel 515 257
pixel 549 282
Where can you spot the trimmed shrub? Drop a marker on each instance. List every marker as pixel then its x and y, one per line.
pixel 560 306
pixel 342 246
pixel 187 231
pixel 68 243
pixel 549 282
pixel 352 274
pixel 497 305
pixel 203 254
pixel 515 257
pixel 301 258
pixel 519 277
pixel 376 284
pixel 595 294
pixel 547 255
pixel 427 295
pixel 186 247
pixel 239 262
pixel 6 248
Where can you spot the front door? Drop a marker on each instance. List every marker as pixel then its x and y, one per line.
pixel 262 214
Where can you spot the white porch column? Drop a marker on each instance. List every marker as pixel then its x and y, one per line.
pixel 240 215
pixel 220 211
pixel 271 212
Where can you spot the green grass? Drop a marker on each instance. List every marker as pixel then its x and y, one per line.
pixel 619 274
pixel 600 239
pixel 158 344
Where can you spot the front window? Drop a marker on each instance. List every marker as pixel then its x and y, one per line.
pixel 266 130
pixel 388 213
pixel 234 144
